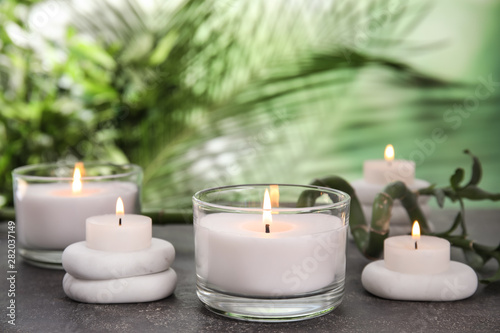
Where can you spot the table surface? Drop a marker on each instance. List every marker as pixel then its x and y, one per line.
pixel 42 306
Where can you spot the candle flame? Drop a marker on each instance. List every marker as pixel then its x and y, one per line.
pixel 77 178
pixel 120 210
pixel 415 231
pixel 80 166
pixel 389 153
pixel 267 217
pixel 275 195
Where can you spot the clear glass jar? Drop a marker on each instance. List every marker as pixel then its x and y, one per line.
pixel 281 262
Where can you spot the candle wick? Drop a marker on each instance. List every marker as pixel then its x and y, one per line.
pixel 267 229
pixel 416 246
pixel 120 223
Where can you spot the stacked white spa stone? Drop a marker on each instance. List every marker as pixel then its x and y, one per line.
pixel 418 273
pixel 377 174
pixel 99 275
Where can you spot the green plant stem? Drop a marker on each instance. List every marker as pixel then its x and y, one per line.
pixel 409 200
pixel 358 227
pixel 370 238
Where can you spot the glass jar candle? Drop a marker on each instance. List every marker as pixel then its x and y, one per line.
pixel 270 252
pixel 52 202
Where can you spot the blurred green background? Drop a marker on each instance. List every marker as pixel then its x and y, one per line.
pixel 219 92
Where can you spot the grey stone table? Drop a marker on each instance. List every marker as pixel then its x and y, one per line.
pixel 41 305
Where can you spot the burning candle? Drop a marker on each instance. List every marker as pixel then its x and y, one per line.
pixel 416 254
pixel 119 232
pixel 51 210
pixel 263 251
pixel 119 262
pixel 282 254
pixel 379 173
pixel 418 268
pixel 389 170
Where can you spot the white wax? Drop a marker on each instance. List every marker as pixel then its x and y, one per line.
pixel 459 281
pixel 384 172
pixel 84 263
pixel 145 288
pixel 104 233
pixel 431 257
pixel 302 253
pixel 51 217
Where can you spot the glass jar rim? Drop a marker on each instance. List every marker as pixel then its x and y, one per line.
pixel 336 205
pixel 21 171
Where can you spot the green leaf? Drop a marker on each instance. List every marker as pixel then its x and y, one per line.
pixel 162 50
pixel 475 193
pixel 457 178
pixel 137 48
pixel 476 169
pixel 357 219
pixel 307 198
pixel 89 51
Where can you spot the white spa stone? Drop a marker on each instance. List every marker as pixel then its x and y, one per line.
pixel 145 288
pixel 89 264
pixel 459 281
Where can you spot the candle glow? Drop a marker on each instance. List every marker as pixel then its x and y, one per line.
pixel 120 209
pixel 415 231
pixel 77 176
pixel 389 153
pixel 267 217
pixel 275 195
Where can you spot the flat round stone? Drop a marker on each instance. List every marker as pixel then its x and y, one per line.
pixel 146 288
pixel 89 264
pixel 458 282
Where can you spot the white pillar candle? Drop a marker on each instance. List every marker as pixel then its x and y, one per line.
pixel 379 173
pixel 389 170
pixel 51 216
pixel 300 254
pixel 105 233
pixel 119 262
pixel 432 255
pixel 418 268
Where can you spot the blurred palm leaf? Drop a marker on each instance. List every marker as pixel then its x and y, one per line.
pixel 220 92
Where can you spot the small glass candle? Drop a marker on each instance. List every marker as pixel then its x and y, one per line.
pixel 270 252
pixel 52 202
